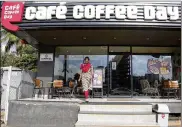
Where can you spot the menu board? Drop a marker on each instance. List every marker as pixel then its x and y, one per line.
pixel 98 78
pixel 155 66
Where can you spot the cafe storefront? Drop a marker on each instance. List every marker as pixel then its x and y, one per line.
pixel 129 42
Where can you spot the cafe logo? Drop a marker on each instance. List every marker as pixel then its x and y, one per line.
pixel 12 12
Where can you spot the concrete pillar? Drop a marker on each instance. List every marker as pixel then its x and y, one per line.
pixel 46 68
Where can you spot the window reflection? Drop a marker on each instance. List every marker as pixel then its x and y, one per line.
pixel 150 68
pixel 59 67
pixel 69 59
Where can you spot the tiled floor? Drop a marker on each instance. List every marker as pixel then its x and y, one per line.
pixel 175 123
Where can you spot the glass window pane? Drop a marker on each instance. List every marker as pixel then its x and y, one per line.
pixel 151 69
pixel 73 65
pixel 58 67
pixel 68 60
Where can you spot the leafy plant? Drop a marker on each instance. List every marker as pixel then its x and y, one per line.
pixel 26 56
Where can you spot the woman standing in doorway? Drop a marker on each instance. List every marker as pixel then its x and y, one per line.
pixel 86 77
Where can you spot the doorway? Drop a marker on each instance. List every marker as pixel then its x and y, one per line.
pixel 68 60
pixel 120 72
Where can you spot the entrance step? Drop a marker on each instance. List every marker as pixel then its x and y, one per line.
pixel 113 124
pixel 122 118
pixel 120 114
pixel 117 108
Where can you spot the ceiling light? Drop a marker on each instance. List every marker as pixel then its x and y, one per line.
pixel 54 38
pixel 147 38
pixel 114 38
pixel 84 38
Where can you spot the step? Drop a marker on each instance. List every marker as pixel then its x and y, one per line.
pixel 123 108
pixel 113 124
pixel 123 118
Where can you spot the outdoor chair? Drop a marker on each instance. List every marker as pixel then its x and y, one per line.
pixel 76 89
pixel 147 89
pixel 58 87
pixel 38 87
pixel 67 92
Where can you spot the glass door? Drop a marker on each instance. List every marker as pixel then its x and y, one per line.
pixel 68 60
pixel 120 73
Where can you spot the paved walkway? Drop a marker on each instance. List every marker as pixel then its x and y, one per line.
pixel 172 123
pixel 79 100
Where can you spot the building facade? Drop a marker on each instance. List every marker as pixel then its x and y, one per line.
pixel 129 41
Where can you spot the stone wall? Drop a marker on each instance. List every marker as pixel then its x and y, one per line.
pixel 42 114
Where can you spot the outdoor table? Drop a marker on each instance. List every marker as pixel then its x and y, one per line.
pixel 59 90
pixel 47 90
pixel 67 91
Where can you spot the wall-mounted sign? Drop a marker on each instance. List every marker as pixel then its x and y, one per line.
pixel 113 65
pixel 126 13
pixel 157 66
pixel 46 56
pixel 11 12
pixel 99 11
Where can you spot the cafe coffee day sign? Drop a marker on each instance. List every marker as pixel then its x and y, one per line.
pixel 13 12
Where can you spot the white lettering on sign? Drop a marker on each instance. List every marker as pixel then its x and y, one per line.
pixel 149 12
pixel 132 12
pixel 173 13
pixel 30 13
pixel 11 10
pixel 121 12
pixel 102 11
pixel 90 12
pixel 41 13
pixel 46 56
pixel 161 13
pixel 61 12
pixel 99 11
pixel 78 12
pixel 109 10
pixel 46 13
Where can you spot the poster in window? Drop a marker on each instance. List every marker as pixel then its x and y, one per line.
pixel 113 65
pixel 157 66
pixel 98 78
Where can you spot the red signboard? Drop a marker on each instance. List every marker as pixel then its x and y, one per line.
pixel 11 12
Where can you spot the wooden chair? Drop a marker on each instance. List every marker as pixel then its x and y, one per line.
pixel 58 83
pixel 58 87
pixel 38 86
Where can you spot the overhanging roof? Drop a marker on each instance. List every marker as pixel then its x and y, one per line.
pixel 102 32
pixel 107 36
pixel 112 22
